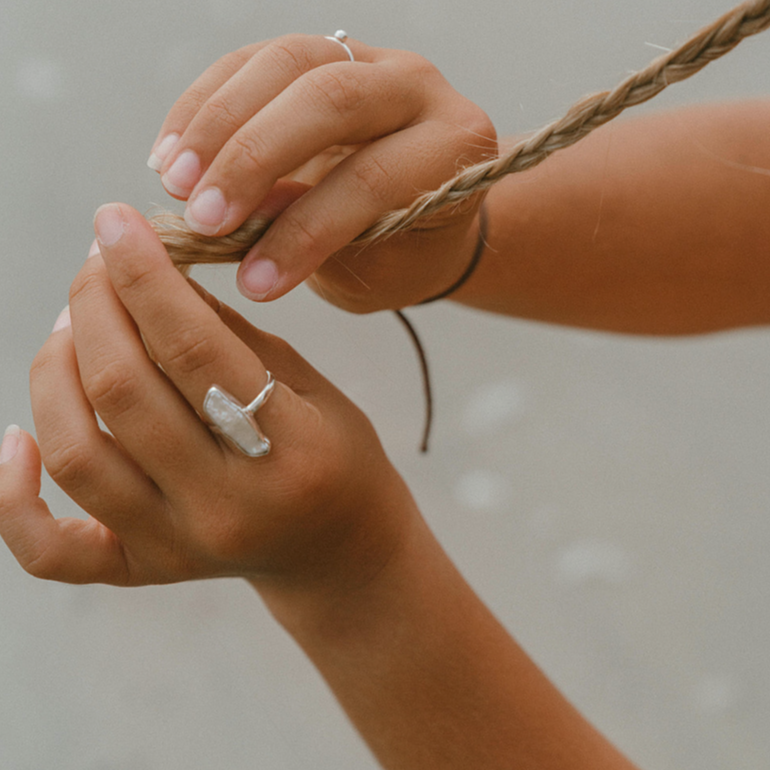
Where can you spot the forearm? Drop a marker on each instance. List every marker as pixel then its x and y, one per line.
pixel 431 679
pixel 657 225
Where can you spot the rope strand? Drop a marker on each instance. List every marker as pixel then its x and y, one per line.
pixel 588 114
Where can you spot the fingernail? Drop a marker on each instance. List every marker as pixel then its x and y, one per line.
pixel 160 153
pixel 94 250
pixel 258 279
pixel 206 214
pixel 63 321
pixel 183 174
pixel 109 224
pixel 10 443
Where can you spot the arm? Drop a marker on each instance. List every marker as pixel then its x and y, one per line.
pixel 652 225
pixel 656 225
pixel 431 679
pixel 322 527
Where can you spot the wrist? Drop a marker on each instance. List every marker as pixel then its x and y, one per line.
pixel 351 565
pixel 475 246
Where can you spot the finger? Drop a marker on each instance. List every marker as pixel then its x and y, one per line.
pixel 381 177
pixel 188 105
pixel 275 353
pixel 270 69
pixel 134 398
pixel 84 461
pixel 189 340
pixel 69 550
pixel 340 104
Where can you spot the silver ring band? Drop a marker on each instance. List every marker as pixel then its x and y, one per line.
pixel 340 36
pixel 237 422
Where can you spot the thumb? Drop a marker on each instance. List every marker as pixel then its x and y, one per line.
pixel 254 280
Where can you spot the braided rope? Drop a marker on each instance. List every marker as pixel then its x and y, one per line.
pixel 590 112
pixel 586 115
pixel 187 248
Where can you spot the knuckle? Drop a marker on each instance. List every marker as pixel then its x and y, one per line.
pixel 70 464
pixel 112 390
pixel 480 126
pixel 418 72
pixel 421 67
pixel 191 351
pixel 337 91
pixel 292 55
pixel 245 155
pixel 220 112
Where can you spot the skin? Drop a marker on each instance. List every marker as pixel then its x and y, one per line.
pixel 373 132
pixel 170 501
pixel 656 226
pixel 323 527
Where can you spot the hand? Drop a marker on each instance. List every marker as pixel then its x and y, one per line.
pixel 168 500
pixel 292 129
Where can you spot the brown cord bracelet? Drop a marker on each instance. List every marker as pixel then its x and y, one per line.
pixel 481 243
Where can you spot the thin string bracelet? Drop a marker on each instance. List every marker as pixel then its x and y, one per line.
pixel 481 244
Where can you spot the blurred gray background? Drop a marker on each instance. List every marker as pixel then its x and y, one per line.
pixel 607 496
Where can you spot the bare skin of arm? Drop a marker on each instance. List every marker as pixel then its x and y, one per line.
pixel 656 225
pixel 428 675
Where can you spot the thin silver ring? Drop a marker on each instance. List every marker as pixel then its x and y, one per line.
pixel 340 36
pixel 236 422
pixel 264 394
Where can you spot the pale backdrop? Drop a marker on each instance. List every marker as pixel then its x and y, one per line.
pixel 608 497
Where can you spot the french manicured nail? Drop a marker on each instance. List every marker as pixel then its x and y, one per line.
pixel 258 279
pixel 207 212
pixel 183 174
pixel 160 153
pixel 10 444
pixel 63 321
pixel 109 224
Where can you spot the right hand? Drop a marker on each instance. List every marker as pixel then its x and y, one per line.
pixel 292 129
pixel 168 499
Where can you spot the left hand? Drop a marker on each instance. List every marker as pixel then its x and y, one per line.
pixel 291 129
pixel 168 499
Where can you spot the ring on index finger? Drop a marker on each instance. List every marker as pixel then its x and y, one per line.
pixel 237 422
